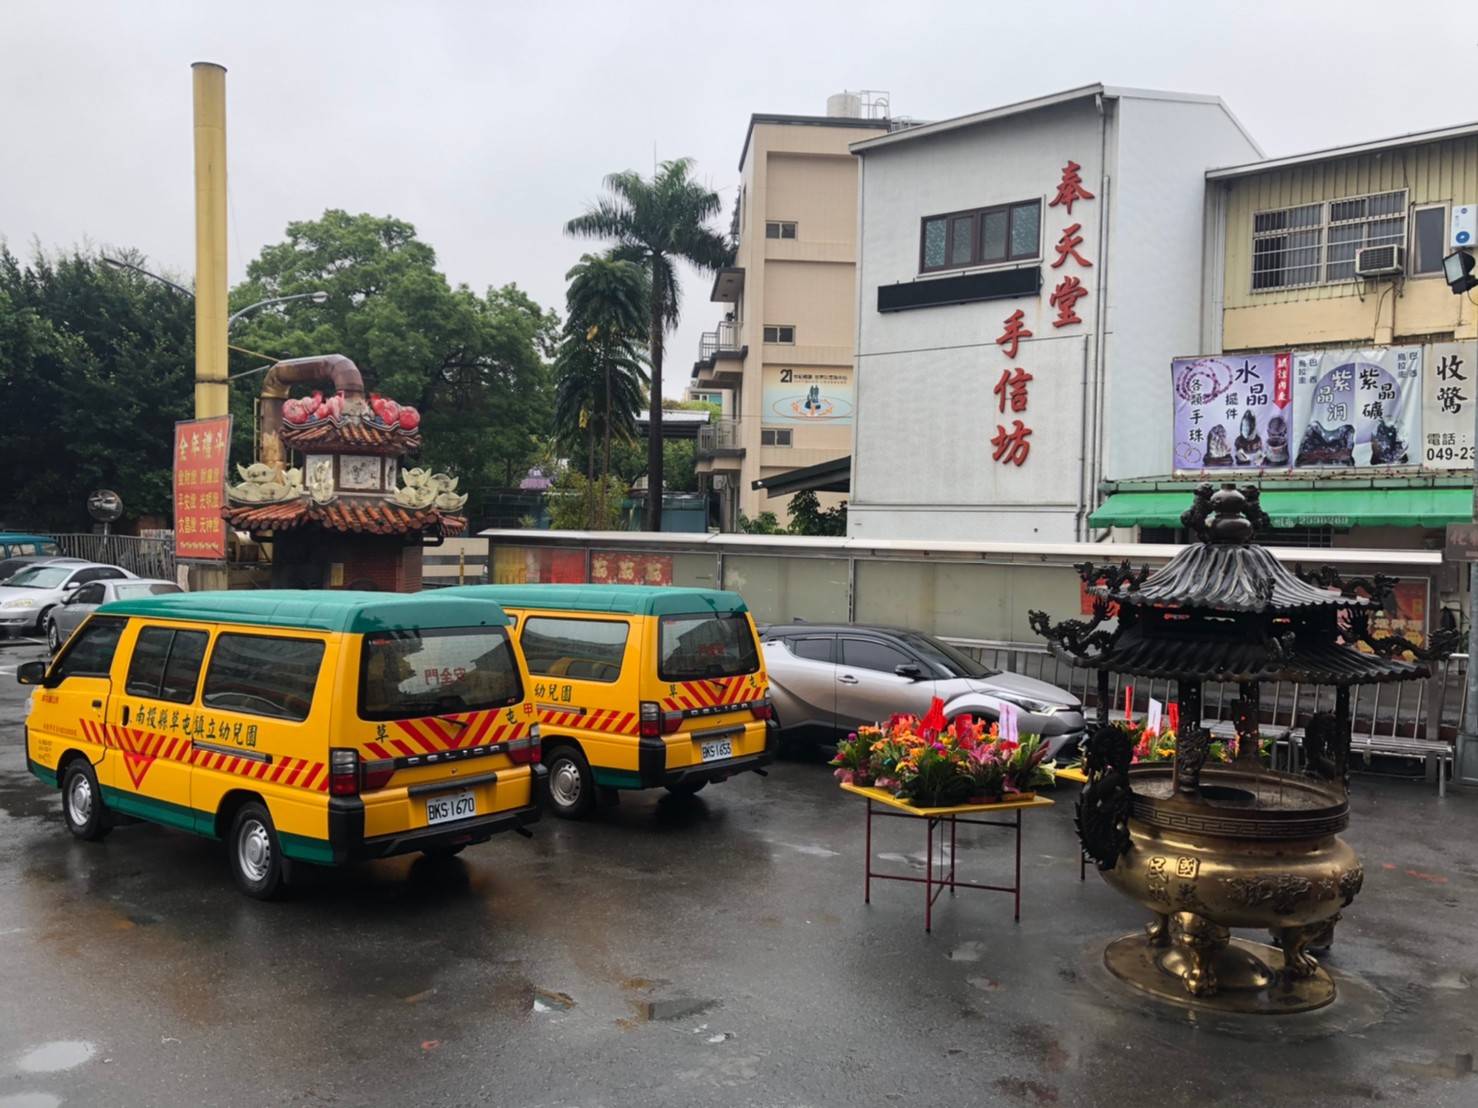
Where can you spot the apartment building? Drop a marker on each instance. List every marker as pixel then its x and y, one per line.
pixel 779 362
pixel 1336 369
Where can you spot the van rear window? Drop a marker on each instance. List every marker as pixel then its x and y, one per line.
pixel 707 644
pixel 263 675
pixel 408 674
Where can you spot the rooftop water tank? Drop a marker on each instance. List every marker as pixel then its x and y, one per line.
pixel 844 105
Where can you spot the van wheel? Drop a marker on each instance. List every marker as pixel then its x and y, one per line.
pixel 53 636
pixel 686 788
pixel 253 852
pixel 82 802
pixel 571 784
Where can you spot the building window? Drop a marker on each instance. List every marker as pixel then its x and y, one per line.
pixel 775 230
pixel 985 236
pixel 775 436
pixel 785 336
pixel 1315 244
pixel 1428 239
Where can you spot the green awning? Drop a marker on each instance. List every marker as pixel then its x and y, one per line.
pixel 1303 508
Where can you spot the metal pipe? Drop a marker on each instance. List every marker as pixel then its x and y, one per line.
pixel 337 371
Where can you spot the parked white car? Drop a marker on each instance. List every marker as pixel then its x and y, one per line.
pixel 27 597
pixel 67 616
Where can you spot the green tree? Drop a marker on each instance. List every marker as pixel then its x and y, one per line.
pixel 657 223
pixel 96 365
pixel 807 518
pixel 599 370
pixel 474 365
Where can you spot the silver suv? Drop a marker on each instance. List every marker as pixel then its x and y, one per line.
pixel 825 679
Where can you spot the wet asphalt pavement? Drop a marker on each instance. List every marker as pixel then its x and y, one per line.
pixel 714 950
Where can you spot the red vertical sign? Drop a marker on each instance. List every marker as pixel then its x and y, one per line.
pixel 1282 380
pixel 201 447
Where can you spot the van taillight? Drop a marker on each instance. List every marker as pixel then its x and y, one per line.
pixel 376 774
pixel 650 725
pixel 671 722
pixel 763 709
pixel 343 772
pixel 525 751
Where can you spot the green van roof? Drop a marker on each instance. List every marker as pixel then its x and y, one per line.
pixel 312 610
pixel 637 600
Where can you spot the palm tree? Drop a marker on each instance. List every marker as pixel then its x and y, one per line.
pixel 597 395
pixel 657 223
pixel 607 304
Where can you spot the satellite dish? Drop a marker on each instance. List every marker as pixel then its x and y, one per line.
pixel 105 505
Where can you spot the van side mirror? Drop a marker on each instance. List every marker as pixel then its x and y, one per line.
pixel 31 673
pixel 911 671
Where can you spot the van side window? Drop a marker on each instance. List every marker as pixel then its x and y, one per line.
pixel 585 649
pixel 90 651
pixel 263 675
pixel 166 664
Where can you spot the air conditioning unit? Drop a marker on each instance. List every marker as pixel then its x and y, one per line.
pixel 1380 261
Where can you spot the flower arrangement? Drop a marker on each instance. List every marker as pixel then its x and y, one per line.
pixel 1159 746
pixel 933 763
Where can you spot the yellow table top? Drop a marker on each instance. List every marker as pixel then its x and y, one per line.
pixel 1073 773
pixel 883 796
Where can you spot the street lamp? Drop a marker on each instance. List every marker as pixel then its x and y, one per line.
pixel 146 273
pixel 319 297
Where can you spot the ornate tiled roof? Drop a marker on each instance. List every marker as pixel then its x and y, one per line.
pixel 1230 578
pixel 324 436
pixel 346 513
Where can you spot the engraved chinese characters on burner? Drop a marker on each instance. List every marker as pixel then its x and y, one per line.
pixel 1157 881
pixel 1285 890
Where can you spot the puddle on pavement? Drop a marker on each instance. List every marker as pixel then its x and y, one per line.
pixel 987 984
pixel 546 1000
pixel 676 1008
pixel 30 1100
pixel 965 952
pixel 51 1057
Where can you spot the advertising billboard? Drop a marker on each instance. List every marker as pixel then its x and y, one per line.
pixel 1232 411
pixel 800 395
pixel 1357 407
pixel 1447 407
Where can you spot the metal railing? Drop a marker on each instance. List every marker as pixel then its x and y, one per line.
pixel 1431 710
pixel 144 557
pixel 722 341
pixel 721 434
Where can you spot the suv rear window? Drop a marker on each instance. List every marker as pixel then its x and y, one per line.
pixel 409 674
pixel 706 644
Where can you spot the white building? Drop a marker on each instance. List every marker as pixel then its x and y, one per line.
pixel 1025 276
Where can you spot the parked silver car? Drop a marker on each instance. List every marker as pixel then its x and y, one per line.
pixel 29 595
pixel 67 616
pixel 826 679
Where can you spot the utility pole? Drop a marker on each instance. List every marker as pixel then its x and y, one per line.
pixel 212 393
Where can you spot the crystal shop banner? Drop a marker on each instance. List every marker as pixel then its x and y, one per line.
pixel 1357 407
pixel 1232 411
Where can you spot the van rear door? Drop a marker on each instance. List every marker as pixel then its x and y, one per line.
pixel 444 732
pixel 712 678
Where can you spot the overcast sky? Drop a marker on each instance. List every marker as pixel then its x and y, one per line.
pixel 489 124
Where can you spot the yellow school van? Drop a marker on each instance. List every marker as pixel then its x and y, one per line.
pixel 296 726
pixel 638 686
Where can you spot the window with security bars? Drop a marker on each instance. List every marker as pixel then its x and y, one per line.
pixel 1313 244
